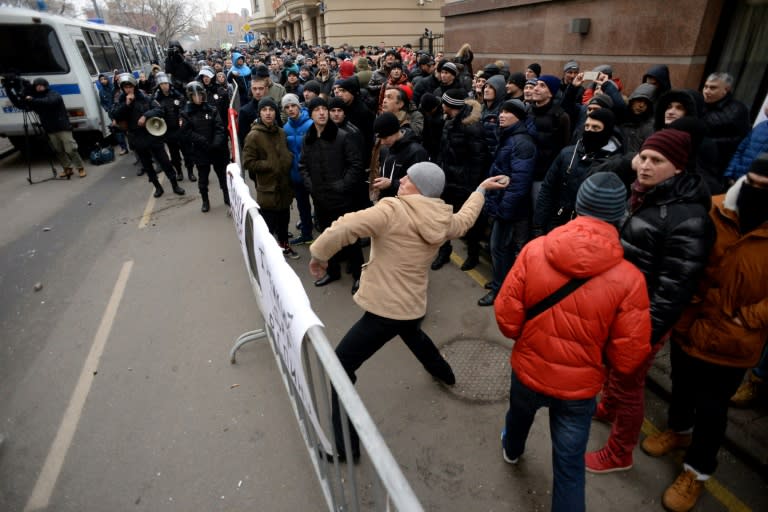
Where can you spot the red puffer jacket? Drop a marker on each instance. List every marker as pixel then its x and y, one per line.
pixel 562 351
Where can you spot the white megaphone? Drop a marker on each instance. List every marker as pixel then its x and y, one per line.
pixel 156 126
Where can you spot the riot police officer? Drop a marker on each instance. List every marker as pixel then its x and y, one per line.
pixel 203 131
pixel 171 100
pixel 132 109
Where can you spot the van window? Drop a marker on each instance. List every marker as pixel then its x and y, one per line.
pixel 31 49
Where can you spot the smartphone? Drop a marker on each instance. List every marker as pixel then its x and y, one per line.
pixel 590 75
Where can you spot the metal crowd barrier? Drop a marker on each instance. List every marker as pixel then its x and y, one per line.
pixel 310 369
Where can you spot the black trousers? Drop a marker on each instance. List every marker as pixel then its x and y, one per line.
pixel 277 221
pixel 700 394
pixel 204 171
pixel 156 151
pixel 364 339
pixel 352 253
pixel 176 151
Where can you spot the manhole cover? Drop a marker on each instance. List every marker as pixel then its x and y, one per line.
pixel 481 368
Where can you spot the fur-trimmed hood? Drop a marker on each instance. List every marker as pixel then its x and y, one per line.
pixel 471 113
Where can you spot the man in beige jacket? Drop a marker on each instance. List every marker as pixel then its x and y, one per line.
pixel 405 233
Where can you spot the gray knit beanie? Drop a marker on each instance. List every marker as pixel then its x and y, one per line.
pixel 602 196
pixel 429 178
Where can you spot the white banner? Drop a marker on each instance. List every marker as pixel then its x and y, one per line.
pixel 282 300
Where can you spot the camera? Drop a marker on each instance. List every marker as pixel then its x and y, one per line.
pixel 17 88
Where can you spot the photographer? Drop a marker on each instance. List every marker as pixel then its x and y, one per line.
pixel 49 106
pixel 177 67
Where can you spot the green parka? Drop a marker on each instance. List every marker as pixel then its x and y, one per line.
pixel 268 160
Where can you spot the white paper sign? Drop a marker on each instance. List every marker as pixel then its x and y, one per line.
pixel 283 302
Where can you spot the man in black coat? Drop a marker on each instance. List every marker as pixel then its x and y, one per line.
pixel 179 69
pixel 465 160
pixel 399 150
pixel 726 118
pixel 357 113
pixel 334 174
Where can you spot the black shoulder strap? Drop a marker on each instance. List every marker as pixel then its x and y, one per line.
pixel 554 298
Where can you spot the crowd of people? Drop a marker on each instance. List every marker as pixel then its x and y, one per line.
pixel 615 220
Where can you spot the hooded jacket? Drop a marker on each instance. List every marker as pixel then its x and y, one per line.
pixel 668 238
pixel 49 106
pixel 636 128
pixel 735 285
pixel 490 115
pixel 563 351
pixel 557 198
pixel 267 159
pixel 406 233
pixel 463 153
pixel 243 70
pixel 661 73
pixel 295 129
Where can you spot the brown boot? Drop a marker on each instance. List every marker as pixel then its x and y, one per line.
pixel 747 392
pixel 81 172
pixel 66 173
pixel 664 442
pixel 684 492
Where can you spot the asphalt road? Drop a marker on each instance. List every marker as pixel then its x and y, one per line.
pixel 117 393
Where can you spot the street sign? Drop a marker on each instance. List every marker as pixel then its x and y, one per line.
pixel 249 37
pixel 230 28
pixel 246 27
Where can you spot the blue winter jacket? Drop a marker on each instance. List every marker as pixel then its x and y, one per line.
pixel 751 146
pixel 295 129
pixel 516 158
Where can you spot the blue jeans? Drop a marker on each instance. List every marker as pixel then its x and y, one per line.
pixel 507 240
pixel 569 422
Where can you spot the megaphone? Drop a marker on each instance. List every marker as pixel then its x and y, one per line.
pixel 156 126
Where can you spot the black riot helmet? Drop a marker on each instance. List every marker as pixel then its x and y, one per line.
pixel 194 89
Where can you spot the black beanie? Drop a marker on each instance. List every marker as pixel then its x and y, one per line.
pixel 536 68
pixel 312 86
pixel 385 125
pixel 603 100
pixel 351 84
pixel 429 102
pixel 267 101
pixel 515 107
pixel 336 102
pixel 518 79
pixel 316 102
pixel 454 98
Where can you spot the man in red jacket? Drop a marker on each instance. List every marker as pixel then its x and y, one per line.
pixel 573 304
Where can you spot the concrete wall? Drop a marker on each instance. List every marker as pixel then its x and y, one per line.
pixel 629 35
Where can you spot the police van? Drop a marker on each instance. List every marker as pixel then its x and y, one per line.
pixel 70 54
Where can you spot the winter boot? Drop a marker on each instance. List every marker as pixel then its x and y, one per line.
pixel 176 188
pixel 443 256
pixel 473 257
pixel 66 173
pixel 206 204
pixel 747 392
pixel 191 174
pixel 158 188
pixel 81 172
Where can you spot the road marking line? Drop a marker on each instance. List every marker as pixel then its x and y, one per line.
pixel 41 494
pixel 147 216
pixel 715 488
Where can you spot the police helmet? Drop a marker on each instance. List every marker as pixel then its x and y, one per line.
pixel 195 88
pixel 126 78
pixel 162 78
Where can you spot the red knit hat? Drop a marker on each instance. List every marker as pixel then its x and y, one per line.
pixel 675 145
pixel 346 69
